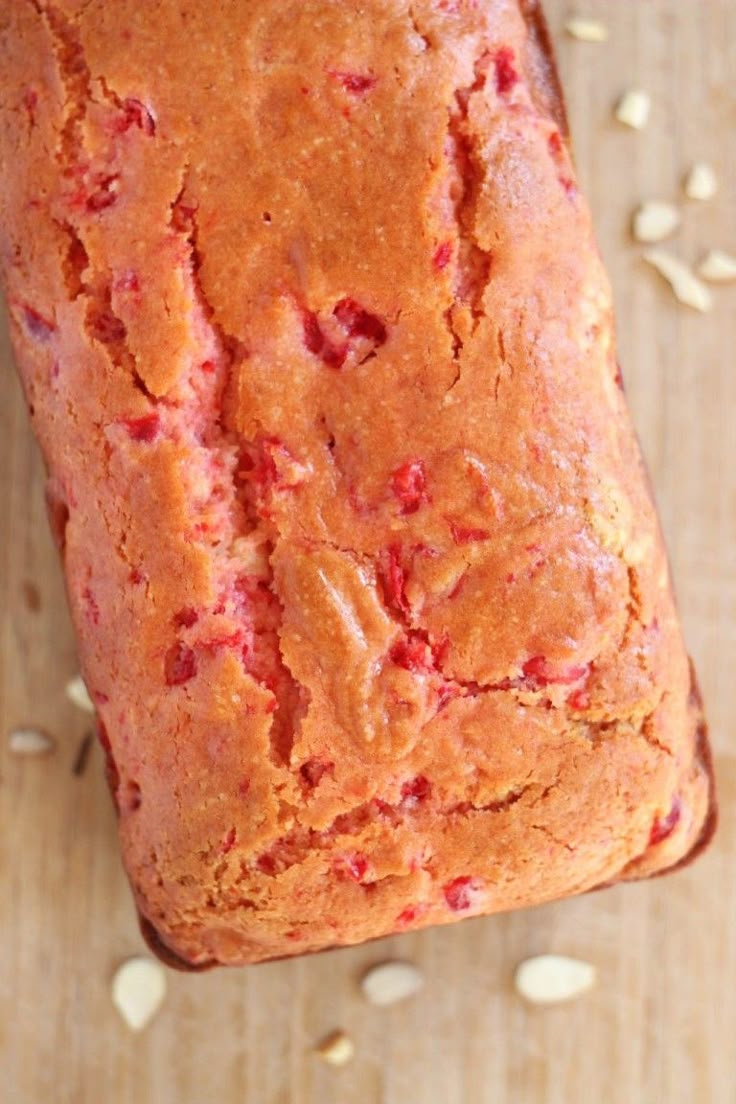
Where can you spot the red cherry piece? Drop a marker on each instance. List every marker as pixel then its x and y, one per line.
pixel 107 328
pixel 185 618
pixel 459 585
pixel 359 322
pixel 506 75
pixel 37 327
pixel 133 113
pixel 442 256
pixel 409 486
pixel 416 790
pixel 579 700
pixel 319 344
pixel 410 915
pixel 314 770
pixel 104 196
pixel 554 143
pixel 145 428
pixel 665 826
pixel 460 894
pixel 538 672
pixel 180 664
pixel 267 865
pixel 413 653
pixel 395 580
pixel 228 640
pixel 356 867
pixel 462 534
pixel 358 84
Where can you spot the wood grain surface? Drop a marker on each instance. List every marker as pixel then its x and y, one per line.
pixel 661 1024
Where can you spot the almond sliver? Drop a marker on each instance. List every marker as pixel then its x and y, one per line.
pixel 551 979
pixel 138 990
pixel 337 1049
pixel 701 182
pixel 633 108
pixel 78 694
pixel 687 287
pixel 29 741
pixel 585 29
pixel 718 267
pixel 654 221
pixel 391 982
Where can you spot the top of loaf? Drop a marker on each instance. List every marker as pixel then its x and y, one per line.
pixel 368 582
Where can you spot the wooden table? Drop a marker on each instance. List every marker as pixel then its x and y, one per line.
pixel 661 1026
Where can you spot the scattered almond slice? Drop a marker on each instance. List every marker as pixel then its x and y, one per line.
pixel 391 982
pixel 30 741
pixel 551 979
pixel 687 287
pixel 718 267
pixel 138 990
pixel 654 221
pixel 337 1049
pixel 701 182
pixel 586 30
pixel 78 694
pixel 633 108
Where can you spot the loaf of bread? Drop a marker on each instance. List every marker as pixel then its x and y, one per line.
pixel 369 588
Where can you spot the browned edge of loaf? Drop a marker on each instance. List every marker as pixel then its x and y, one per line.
pixel 545 80
pixel 164 953
pixel 548 88
pixel 704 754
pixel 542 62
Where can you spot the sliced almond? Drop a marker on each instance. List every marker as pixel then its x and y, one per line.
pixel 30 741
pixel 391 982
pixel 687 287
pixel 78 694
pixel 551 979
pixel 654 221
pixel 337 1049
pixel 633 108
pixel 701 182
pixel 718 267
pixel 138 990
pixel 586 30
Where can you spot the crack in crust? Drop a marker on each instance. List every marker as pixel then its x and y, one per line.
pixel 465 174
pixel 104 327
pixel 291 696
pixel 295 846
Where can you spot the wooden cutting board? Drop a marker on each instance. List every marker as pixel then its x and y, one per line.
pixel 660 1028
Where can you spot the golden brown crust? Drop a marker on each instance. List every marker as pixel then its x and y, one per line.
pixel 368 583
